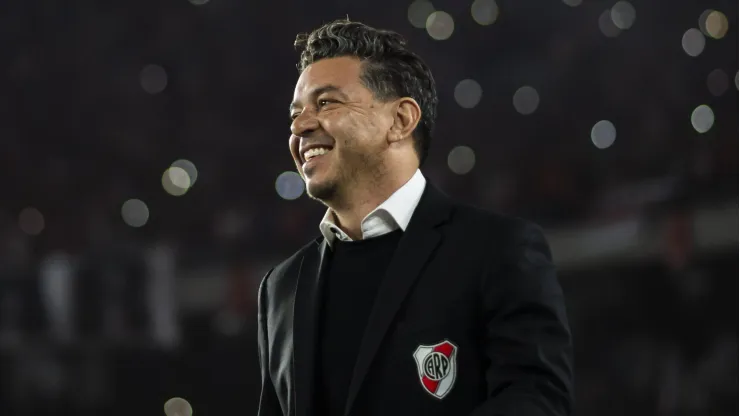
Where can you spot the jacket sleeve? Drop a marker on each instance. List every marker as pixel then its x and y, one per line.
pixel 528 342
pixel 269 404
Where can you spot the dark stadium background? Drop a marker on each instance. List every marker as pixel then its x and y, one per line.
pixel 116 295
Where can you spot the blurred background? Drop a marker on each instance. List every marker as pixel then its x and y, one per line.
pixel 148 187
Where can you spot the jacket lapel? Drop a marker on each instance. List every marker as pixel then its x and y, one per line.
pixel 305 321
pixel 414 250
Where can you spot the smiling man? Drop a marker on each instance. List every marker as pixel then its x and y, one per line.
pixel 408 302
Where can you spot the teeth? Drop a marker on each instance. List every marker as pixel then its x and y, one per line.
pixel 317 151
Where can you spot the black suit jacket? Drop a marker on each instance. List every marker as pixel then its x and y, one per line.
pixel 479 286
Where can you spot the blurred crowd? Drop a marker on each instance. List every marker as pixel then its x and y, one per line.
pixel 97 102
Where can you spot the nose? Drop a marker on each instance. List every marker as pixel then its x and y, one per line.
pixel 304 124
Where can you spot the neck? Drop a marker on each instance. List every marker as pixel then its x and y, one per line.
pixel 362 200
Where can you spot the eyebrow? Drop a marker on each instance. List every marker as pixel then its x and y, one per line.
pixel 318 91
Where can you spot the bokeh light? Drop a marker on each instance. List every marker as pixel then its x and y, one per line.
pixel 440 25
pixel 607 26
pixel 716 24
pixel 693 42
pixel 603 134
pixel 419 12
pixel 484 12
pixel 176 181
pixel 468 93
pixel 526 100
pixel 289 185
pixel 153 79
pixel 177 406
pixel 623 15
pixel 461 160
pixel 188 167
pixel 702 118
pixel 179 177
pixel 573 3
pixel 135 213
pixel 718 82
pixel 703 21
pixel 30 221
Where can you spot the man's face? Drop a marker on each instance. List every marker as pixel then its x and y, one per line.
pixel 339 130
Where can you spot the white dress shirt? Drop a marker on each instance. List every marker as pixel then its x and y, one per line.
pixel 389 216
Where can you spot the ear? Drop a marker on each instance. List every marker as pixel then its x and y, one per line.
pixel 405 119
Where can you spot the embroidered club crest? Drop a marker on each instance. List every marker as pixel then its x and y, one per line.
pixel 437 367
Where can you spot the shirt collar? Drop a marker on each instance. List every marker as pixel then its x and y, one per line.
pixel 389 216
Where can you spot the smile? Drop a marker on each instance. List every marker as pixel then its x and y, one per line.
pixel 316 151
pixel 314 154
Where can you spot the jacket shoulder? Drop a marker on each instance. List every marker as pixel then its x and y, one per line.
pixel 288 267
pixel 499 237
pixel 479 220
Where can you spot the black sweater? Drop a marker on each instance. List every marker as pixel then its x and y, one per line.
pixel 354 274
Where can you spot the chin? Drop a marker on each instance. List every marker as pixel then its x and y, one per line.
pixel 321 190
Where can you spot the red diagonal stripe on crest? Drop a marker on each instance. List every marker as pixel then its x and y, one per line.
pixel 430 384
pixel 444 348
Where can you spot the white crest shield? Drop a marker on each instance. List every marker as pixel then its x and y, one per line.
pixel 437 367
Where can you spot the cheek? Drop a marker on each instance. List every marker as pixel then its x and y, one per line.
pixel 293 144
pixel 335 124
pixel 352 131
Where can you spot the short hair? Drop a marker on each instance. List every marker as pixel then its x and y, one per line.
pixel 389 70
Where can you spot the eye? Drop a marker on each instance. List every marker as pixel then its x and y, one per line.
pixel 324 101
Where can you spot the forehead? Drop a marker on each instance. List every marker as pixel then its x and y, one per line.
pixel 342 72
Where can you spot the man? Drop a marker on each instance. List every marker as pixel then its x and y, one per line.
pixel 408 303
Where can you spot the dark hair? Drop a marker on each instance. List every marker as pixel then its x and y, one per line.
pixel 390 70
